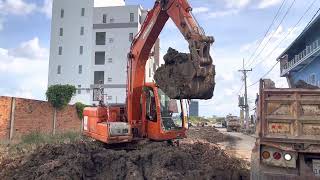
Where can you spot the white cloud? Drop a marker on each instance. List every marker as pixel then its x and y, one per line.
pixel 16 7
pixel 199 10
pixel 223 13
pixel 24 76
pixel 103 3
pixel 268 3
pixel 30 49
pixel 47 8
pixel 237 3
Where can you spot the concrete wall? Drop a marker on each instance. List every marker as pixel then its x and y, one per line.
pixel 23 116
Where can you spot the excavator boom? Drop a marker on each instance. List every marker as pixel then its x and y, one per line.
pixel 184 76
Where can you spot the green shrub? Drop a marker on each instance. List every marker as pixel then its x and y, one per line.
pixel 80 107
pixel 60 95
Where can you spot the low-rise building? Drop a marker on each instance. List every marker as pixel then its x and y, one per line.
pixel 301 61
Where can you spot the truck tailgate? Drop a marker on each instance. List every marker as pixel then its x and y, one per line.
pixel 293 114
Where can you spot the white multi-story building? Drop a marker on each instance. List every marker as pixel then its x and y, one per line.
pixel 89 46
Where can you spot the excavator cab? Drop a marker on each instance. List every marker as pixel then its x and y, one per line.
pixel 164 118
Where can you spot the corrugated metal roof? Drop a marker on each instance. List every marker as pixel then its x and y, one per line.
pixel 316 20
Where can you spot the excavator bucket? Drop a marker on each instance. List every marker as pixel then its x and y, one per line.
pixel 186 75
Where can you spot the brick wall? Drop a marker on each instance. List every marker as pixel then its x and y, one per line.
pixel 5 111
pixel 35 116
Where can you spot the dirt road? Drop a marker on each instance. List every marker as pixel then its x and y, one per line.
pixel 240 146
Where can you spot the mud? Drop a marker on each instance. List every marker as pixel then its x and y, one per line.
pixel 153 160
pixel 182 77
pixel 209 134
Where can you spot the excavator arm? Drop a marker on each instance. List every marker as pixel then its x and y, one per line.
pixel 185 75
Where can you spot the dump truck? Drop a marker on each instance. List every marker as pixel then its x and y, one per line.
pixel 288 134
pixel 233 123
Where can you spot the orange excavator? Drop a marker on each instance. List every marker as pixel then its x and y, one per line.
pixel 149 112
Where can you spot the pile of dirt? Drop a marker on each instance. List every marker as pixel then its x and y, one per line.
pixel 184 77
pixel 208 134
pixel 85 160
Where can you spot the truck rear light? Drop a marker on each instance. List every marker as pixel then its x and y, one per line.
pixel 277 155
pixel 287 157
pixel 266 155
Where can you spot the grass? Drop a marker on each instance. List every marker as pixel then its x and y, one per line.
pixel 29 143
pixel 40 138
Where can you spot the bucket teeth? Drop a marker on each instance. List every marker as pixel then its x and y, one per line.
pixel 183 77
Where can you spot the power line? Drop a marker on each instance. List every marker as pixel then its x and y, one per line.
pixel 314 16
pixel 287 35
pixel 265 35
pixel 240 89
pixel 285 15
pixel 264 74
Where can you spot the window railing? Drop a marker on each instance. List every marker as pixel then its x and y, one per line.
pixel 310 49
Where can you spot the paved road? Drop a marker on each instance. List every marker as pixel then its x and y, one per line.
pixel 240 146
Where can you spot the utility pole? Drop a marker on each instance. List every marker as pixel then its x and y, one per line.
pixel 245 71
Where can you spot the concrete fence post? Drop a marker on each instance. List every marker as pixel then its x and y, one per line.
pixel 54 121
pixel 13 108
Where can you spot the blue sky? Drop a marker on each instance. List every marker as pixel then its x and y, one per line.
pixel 237 25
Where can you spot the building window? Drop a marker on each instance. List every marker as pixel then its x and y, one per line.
pixel 99 77
pixel 104 18
pixel 81 50
pixel 131 17
pixel 62 13
pixel 82 31
pixel 79 89
pixel 111 20
pixel 59 69
pixel 109 98
pixel 61 32
pixel 100 38
pixel 109 79
pixel 130 37
pixel 100 58
pixel 111 40
pixel 82 11
pixel 109 60
pixel 80 69
pixel 60 50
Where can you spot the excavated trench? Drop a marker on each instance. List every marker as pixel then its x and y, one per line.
pixel 156 160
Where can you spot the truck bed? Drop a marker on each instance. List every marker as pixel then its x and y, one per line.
pixel 290 115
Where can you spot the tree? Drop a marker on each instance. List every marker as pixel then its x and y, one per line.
pixel 59 96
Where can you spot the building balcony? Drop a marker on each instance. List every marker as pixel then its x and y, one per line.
pixel 303 58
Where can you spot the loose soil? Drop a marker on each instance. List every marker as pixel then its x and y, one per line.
pixel 184 77
pixel 193 159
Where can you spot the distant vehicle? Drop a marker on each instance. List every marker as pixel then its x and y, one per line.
pixel 288 134
pixel 218 125
pixel 233 123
